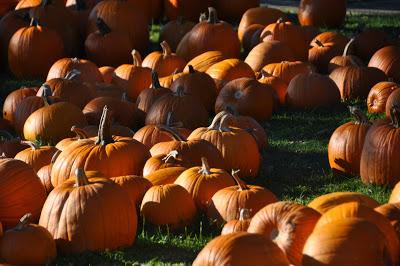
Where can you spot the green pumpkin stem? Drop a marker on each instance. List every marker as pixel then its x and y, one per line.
pixel 166 48
pixel 359 116
pixel 31 144
pixel 137 58
pixel 79 133
pixel 175 135
pixel 104 135
pixel 395 115
pixel 23 222
pixel 102 26
pixel 155 81
pixel 80 178
pixel 242 185
pixel 212 16
pixel 205 167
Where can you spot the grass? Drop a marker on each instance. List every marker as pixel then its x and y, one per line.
pixel 295 167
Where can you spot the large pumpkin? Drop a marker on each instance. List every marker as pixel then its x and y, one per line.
pixel 81 215
pixel 378 96
pixel 387 59
pixel 322 13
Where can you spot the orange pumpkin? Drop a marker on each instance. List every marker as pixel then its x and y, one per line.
pixel 277 84
pixel 395 195
pixel 288 70
pixel 378 96
pixel 204 61
pixel 162 161
pixel 79 135
pixel 13 99
pixel 240 225
pixel 89 71
pixel 165 176
pixel 107 73
pixel 392 212
pixel 36 156
pixel 387 59
pixel 44 174
pixel 322 13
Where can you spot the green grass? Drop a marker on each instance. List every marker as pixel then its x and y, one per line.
pixel 295 167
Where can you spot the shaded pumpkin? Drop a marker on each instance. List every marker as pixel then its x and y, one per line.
pixel 89 71
pixel 162 161
pixel 322 13
pixel 13 99
pixel 175 30
pixel 252 37
pixel 204 61
pixel 167 81
pixel 370 40
pixel 110 90
pixel 134 186
pixel 116 130
pixel 288 70
pixel 346 59
pixel 278 85
pixel 392 212
pixel 239 225
pixel 36 156
pixel 79 135
pixel 393 100
pixel 387 59
pixel 378 96
pixel 234 10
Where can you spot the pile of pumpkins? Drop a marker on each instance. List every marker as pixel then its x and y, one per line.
pixel 116 129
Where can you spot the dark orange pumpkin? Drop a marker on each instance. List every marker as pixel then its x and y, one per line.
pixel 233 10
pixel 165 176
pixel 79 135
pixel 392 212
pixel 240 225
pixel 107 73
pixel 204 61
pixel 174 31
pixel 393 99
pixel 370 40
pixel 346 59
pixel 36 156
pixel 288 70
pixel 162 161
pixel 277 84
pixel 13 99
pixel 378 96
pixel 44 174
pixel 322 13
pixel 387 59
pixel 134 186
pixel 89 71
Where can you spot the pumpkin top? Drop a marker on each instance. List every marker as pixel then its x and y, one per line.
pixel 166 49
pixel 31 144
pixel 212 16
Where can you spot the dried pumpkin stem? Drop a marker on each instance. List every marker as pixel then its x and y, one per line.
pixel 55 156
pixel 31 144
pixel 348 47
pixel 280 20
pixel 239 182
pixel 360 117
pixel 395 115
pixel 166 49
pixel 244 214
pixel 175 135
pixel 46 93
pixel 23 222
pixel 203 17
pixel 155 81
pixel 81 178
pixel 171 154
pixel 79 133
pixel 71 75
pixel 137 58
pixel 34 22
pixel 212 15
pixel 104 136
pixel 205 167
pixel 102 26
pixel 215 122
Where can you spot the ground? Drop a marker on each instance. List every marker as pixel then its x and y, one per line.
pixel 295 167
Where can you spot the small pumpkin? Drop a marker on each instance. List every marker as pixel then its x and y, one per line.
pixel 36 156
pixel 175 30
pixel 240 225
pixel 387 59
pixel 89 71
pixel 378 96
pixel 392 100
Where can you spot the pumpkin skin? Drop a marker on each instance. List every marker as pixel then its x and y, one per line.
pixel 36 156
pixel 303 90
pixel 14 241
pixel 288 70
pixel 227 140
pixel 21 192
pixel 393 99
pixel 100 154
pixel 159 206
pixel 233 10
pixel 202 182
pixel 240 225
pixel 134 186
pixel 288 225
pixel 387 59
pixel 228 70
pixel 165 62
pixel 174 31
pixel 378 157
pixel 330 244
pixel 346 144
pixel 107 73
pixel 209 35
pixel 103 89
pixel 322 13
pixel 165 176
pixel 378 96
pixel 204 61
pixel 268 52
pixel 392 212
pixel 133 78
pixel 258 15
pixel 278 85
pixel 116 130
pixel 368 41
pixel 13 99
pixel 77 202
pixel 234 249
pixel 28 53
pixel 356 82
pixel 324 203
pixel 356 210
pixel 42 124
pixel 167 81
pixel 162 161
pixel 188 10
pixel 324 47
pixel 89 71
pixel 226 202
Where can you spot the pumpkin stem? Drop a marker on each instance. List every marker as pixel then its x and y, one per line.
pixel 71 75
pixel 79 133
pixel 319 43
pixel 55 156
pixel 104 136
pixel 212 16
pixel 46 93
pixel 155 81
pixel 75 60
pixel 23 222
pixel 137 58
pixel 175 135
pixel 224 123
pixel 3 155
pixel 205 167
pixel 215 121
pixel 81 178
pixel 265 74
pixel 102 26
pixel 395 115
pixel 169 121
pixel 231 110
pixel 242 186
pixel 171 154
pixel 191 69
pixel 34 22
pixel 348 46
pixel 244 214
pixel 31 144
pixel 360 117
pixel 203 17
pixel 166 49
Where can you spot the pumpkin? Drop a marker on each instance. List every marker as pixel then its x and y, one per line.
pixel 346 144
pixel 268 52
pixel 159 206
pixel 312 90
pixel 36 156
pixel 290 34
pixel 332 243
pixel 288 70
pixel 378 157
pixel 228 70
pixel 392 212
pixel 204 61
pixel 162 161
pixel 107 73
pixel 100 154
pixel 69 89
pixel 28 53
pixel 21 192
pixel 258 15
pixel 387 59
pixel 167 81
pixel 324 203
pixel 199 85
pixel 122 17
pixel 378 96
pixel 52 123
pixel 241 248
pixel 13 99
pixel 288 225
pixel 209 35
pixel 77 202
pixel 165 62
pixel 89 71
pixel 187 109
pixel 202 182
pixel 188 10
pixel 278 85
pixel 24 4
pixel 174 31
pixel 44 173
pixel 233 10
pixel 240 225
pixel 356 82
pixel 356 210
pixel 134 186
pixel 34 241
pixel 79 135
pixel 324 47
pixel 133 78
pixel 392 100
pixel 190 151
pixel 10 146
pixel 164 176
pixel 226 202
pixel 370 40
pixel 322 13
pixel 346 59
pixel 100 46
